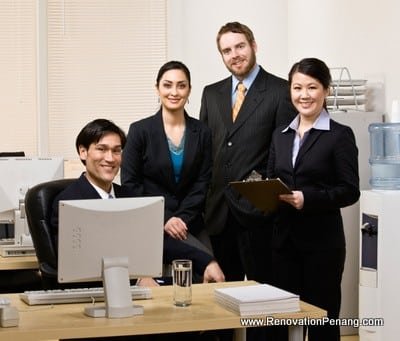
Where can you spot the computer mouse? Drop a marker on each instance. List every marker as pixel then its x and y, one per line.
pixel 4 301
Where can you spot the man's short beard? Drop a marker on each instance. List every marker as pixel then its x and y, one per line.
pixel 247 70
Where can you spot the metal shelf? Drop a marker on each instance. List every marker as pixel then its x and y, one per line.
pixel 343 81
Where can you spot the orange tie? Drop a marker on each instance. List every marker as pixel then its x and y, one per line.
pixel 241 90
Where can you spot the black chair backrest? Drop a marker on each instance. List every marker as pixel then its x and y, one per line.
pixel 11 154
pixel 38 206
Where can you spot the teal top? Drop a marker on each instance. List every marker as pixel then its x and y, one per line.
pixel 176 153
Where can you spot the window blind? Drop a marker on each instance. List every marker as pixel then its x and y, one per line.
pixel 103 57
pixel 18 76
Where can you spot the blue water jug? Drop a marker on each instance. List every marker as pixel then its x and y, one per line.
pixel 385 155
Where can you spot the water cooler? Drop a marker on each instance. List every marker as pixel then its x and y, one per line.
pixel 379 277
pixel 359 121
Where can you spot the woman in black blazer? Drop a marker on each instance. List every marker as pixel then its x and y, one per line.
pixel 317 158
pixel 169 154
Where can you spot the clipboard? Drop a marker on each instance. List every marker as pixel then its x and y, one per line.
pixel 263 194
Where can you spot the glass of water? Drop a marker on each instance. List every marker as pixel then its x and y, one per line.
pixel 182 282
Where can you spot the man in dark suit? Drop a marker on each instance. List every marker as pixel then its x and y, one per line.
pixel 240 234
pixel 99 145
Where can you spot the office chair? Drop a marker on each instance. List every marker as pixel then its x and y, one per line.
pixel 38 206
pixel 12 154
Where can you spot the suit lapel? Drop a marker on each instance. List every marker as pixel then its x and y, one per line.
pixel 86 188
pixel 308 143
pixel 287 144
pixel 191 146
pixel 160 142
pixel 254 97
pixel 225 102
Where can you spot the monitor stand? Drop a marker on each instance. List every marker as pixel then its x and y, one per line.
pixel 6 241
pixel 21 244
pixel 117 295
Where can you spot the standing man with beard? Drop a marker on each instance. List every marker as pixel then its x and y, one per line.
pixel 241 135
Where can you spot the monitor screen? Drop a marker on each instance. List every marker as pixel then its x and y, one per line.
pixel 18 174
pixel 111 240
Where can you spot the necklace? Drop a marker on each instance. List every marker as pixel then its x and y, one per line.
pixel 177 150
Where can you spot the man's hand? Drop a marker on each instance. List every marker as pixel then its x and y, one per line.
pixel 147 282
pixel 213 273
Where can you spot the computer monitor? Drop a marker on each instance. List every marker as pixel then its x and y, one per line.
pixel 17 175
pixel 111 240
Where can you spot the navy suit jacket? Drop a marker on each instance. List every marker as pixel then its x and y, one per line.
pixel 173 249
pixel 147 168
pixel 242 146
pixel 326 171
pixel 80 189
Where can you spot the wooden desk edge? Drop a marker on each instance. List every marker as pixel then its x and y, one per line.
pixel 18 263
pixel 29 328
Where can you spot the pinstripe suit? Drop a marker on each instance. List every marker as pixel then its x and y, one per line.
pixel 239 148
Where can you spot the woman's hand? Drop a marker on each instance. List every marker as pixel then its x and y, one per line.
pixel 176 228
pixel 296 199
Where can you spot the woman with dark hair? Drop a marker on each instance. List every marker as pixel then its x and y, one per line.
pixel 317 158
pixel 169 154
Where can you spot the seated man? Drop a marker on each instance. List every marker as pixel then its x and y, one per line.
pixel 99 145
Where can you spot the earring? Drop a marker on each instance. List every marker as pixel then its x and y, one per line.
pixel 158 100
pixel 187 101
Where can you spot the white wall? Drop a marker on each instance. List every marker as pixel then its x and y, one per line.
pixel 359 34
pixel 362 35
pixel 193 26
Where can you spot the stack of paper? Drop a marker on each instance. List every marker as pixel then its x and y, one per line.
pixel 259 299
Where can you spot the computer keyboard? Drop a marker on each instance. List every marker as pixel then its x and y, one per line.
pixel 58 296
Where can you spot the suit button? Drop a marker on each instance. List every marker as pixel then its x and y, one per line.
pixel 230 144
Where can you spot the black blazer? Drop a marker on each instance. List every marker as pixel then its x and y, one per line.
pixel 147 168
pixel 80 189
pixel 173 249
pixel 326 171
pixel 242 146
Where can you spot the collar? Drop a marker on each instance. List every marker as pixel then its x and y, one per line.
pixel 103 194
pixel 248 81
pixel 321 123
